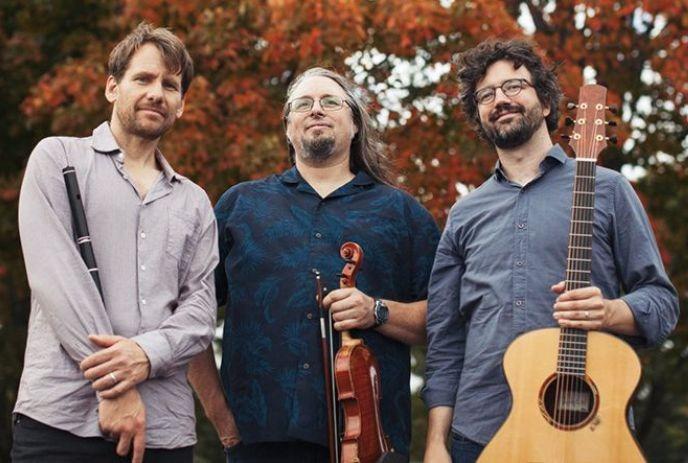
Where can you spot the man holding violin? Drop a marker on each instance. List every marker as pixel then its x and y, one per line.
pixel 275 233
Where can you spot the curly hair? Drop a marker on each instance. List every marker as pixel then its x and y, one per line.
pixel 368 152
pixel 473 65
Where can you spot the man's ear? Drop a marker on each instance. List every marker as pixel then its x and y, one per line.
pixel 111 89
pixel 180 109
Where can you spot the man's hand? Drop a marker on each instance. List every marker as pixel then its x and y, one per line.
pixel 585 308
pixel 351 309
pixel 117 368
pixel 439 422
pixel 124 419
pixel 226 427
pixel 436 453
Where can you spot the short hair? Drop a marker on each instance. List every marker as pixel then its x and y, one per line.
pixel 473 66
pixel 174 53
pixel 368 152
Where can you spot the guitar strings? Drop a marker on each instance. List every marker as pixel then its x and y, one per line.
pixel 569 401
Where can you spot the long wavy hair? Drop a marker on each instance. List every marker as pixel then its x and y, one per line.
pixel 367 151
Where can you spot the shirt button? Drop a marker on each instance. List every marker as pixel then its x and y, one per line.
pixel 519 302
pixel 143 235
pixel 143 301
pixel 309 316
pixel 519 263
pixel 306 366
pixel 143 267
pixel 521 226
pixel 318 235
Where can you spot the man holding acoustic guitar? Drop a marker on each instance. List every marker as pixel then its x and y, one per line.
pixel 517 256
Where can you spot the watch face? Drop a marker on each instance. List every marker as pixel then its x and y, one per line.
pixel 381 313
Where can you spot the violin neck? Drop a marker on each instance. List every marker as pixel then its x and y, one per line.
pixel 348 340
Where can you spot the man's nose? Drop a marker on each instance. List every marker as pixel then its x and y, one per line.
pixel 500 96
pixel 155 91
pixel 317 109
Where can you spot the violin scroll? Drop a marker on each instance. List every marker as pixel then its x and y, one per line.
pixel 353 256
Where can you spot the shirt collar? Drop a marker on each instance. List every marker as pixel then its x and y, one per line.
pixel 292 176
pixel 103 141
pixel 556 155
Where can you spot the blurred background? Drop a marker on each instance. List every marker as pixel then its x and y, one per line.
pixel 53 58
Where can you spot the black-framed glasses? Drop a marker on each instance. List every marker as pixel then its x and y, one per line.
pixel 327 103
pixel 510 87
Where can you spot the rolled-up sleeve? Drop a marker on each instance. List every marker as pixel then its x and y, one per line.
pixel 190 328
pixel 58 277
pixel 648 291
pixel 445 325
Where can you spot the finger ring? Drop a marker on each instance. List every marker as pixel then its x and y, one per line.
pixel 113 377
pixel 587 314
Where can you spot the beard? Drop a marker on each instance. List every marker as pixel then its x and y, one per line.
pixel 516 132
pixel 318 149
pixel 148 130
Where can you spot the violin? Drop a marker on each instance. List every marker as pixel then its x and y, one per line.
pixel 357 379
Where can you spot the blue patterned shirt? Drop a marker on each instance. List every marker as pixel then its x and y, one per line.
pixel 503 247
pixel 273 232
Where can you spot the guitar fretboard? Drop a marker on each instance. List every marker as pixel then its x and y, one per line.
pixel 573 342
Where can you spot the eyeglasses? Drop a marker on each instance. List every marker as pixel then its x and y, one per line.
pixel 511 87
pixel 305 103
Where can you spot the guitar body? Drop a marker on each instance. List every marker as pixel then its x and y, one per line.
pixel 595 427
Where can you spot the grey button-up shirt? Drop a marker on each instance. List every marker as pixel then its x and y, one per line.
pixel 156 258
pixel 503 247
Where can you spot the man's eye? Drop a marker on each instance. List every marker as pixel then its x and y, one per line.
pixel 301 104
pixel 510 86
pixel 483 96
pixel 330 102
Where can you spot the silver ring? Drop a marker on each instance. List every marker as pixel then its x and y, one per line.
pixel 113 377
pixel 587 315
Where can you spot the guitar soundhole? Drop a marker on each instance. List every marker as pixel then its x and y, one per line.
pixel 568 401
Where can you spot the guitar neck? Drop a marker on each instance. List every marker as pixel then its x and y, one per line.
pixel 580 232
pixel 587 140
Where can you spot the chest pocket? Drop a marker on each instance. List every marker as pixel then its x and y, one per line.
pixel 180 238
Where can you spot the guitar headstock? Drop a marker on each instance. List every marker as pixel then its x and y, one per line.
pixel 588 137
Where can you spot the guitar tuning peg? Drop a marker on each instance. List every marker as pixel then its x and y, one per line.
pixel 611 123
pixel 566 137
pixel 569 121
pixel 570 105
pixel 613 109
pixel 613 140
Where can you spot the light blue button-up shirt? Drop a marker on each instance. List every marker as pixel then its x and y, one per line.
pixel 503 247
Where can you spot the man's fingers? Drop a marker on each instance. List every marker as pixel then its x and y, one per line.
pixel 336 295
pixel 579 305
pixel 139 445
pixel 342 305
pixel 96 359
pixel 559 287
pixel 124 444
pixel 580 293
pixel 104 340
pixel 344 315
pixel 116 391
pixel 104 378
pixel 101 371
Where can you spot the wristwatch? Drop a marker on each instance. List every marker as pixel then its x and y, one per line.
pixel 381 312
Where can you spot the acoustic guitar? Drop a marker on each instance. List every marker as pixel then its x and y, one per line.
pixel 571 388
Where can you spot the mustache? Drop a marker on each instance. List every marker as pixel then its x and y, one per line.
pixel 158 109
pixel 504 108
